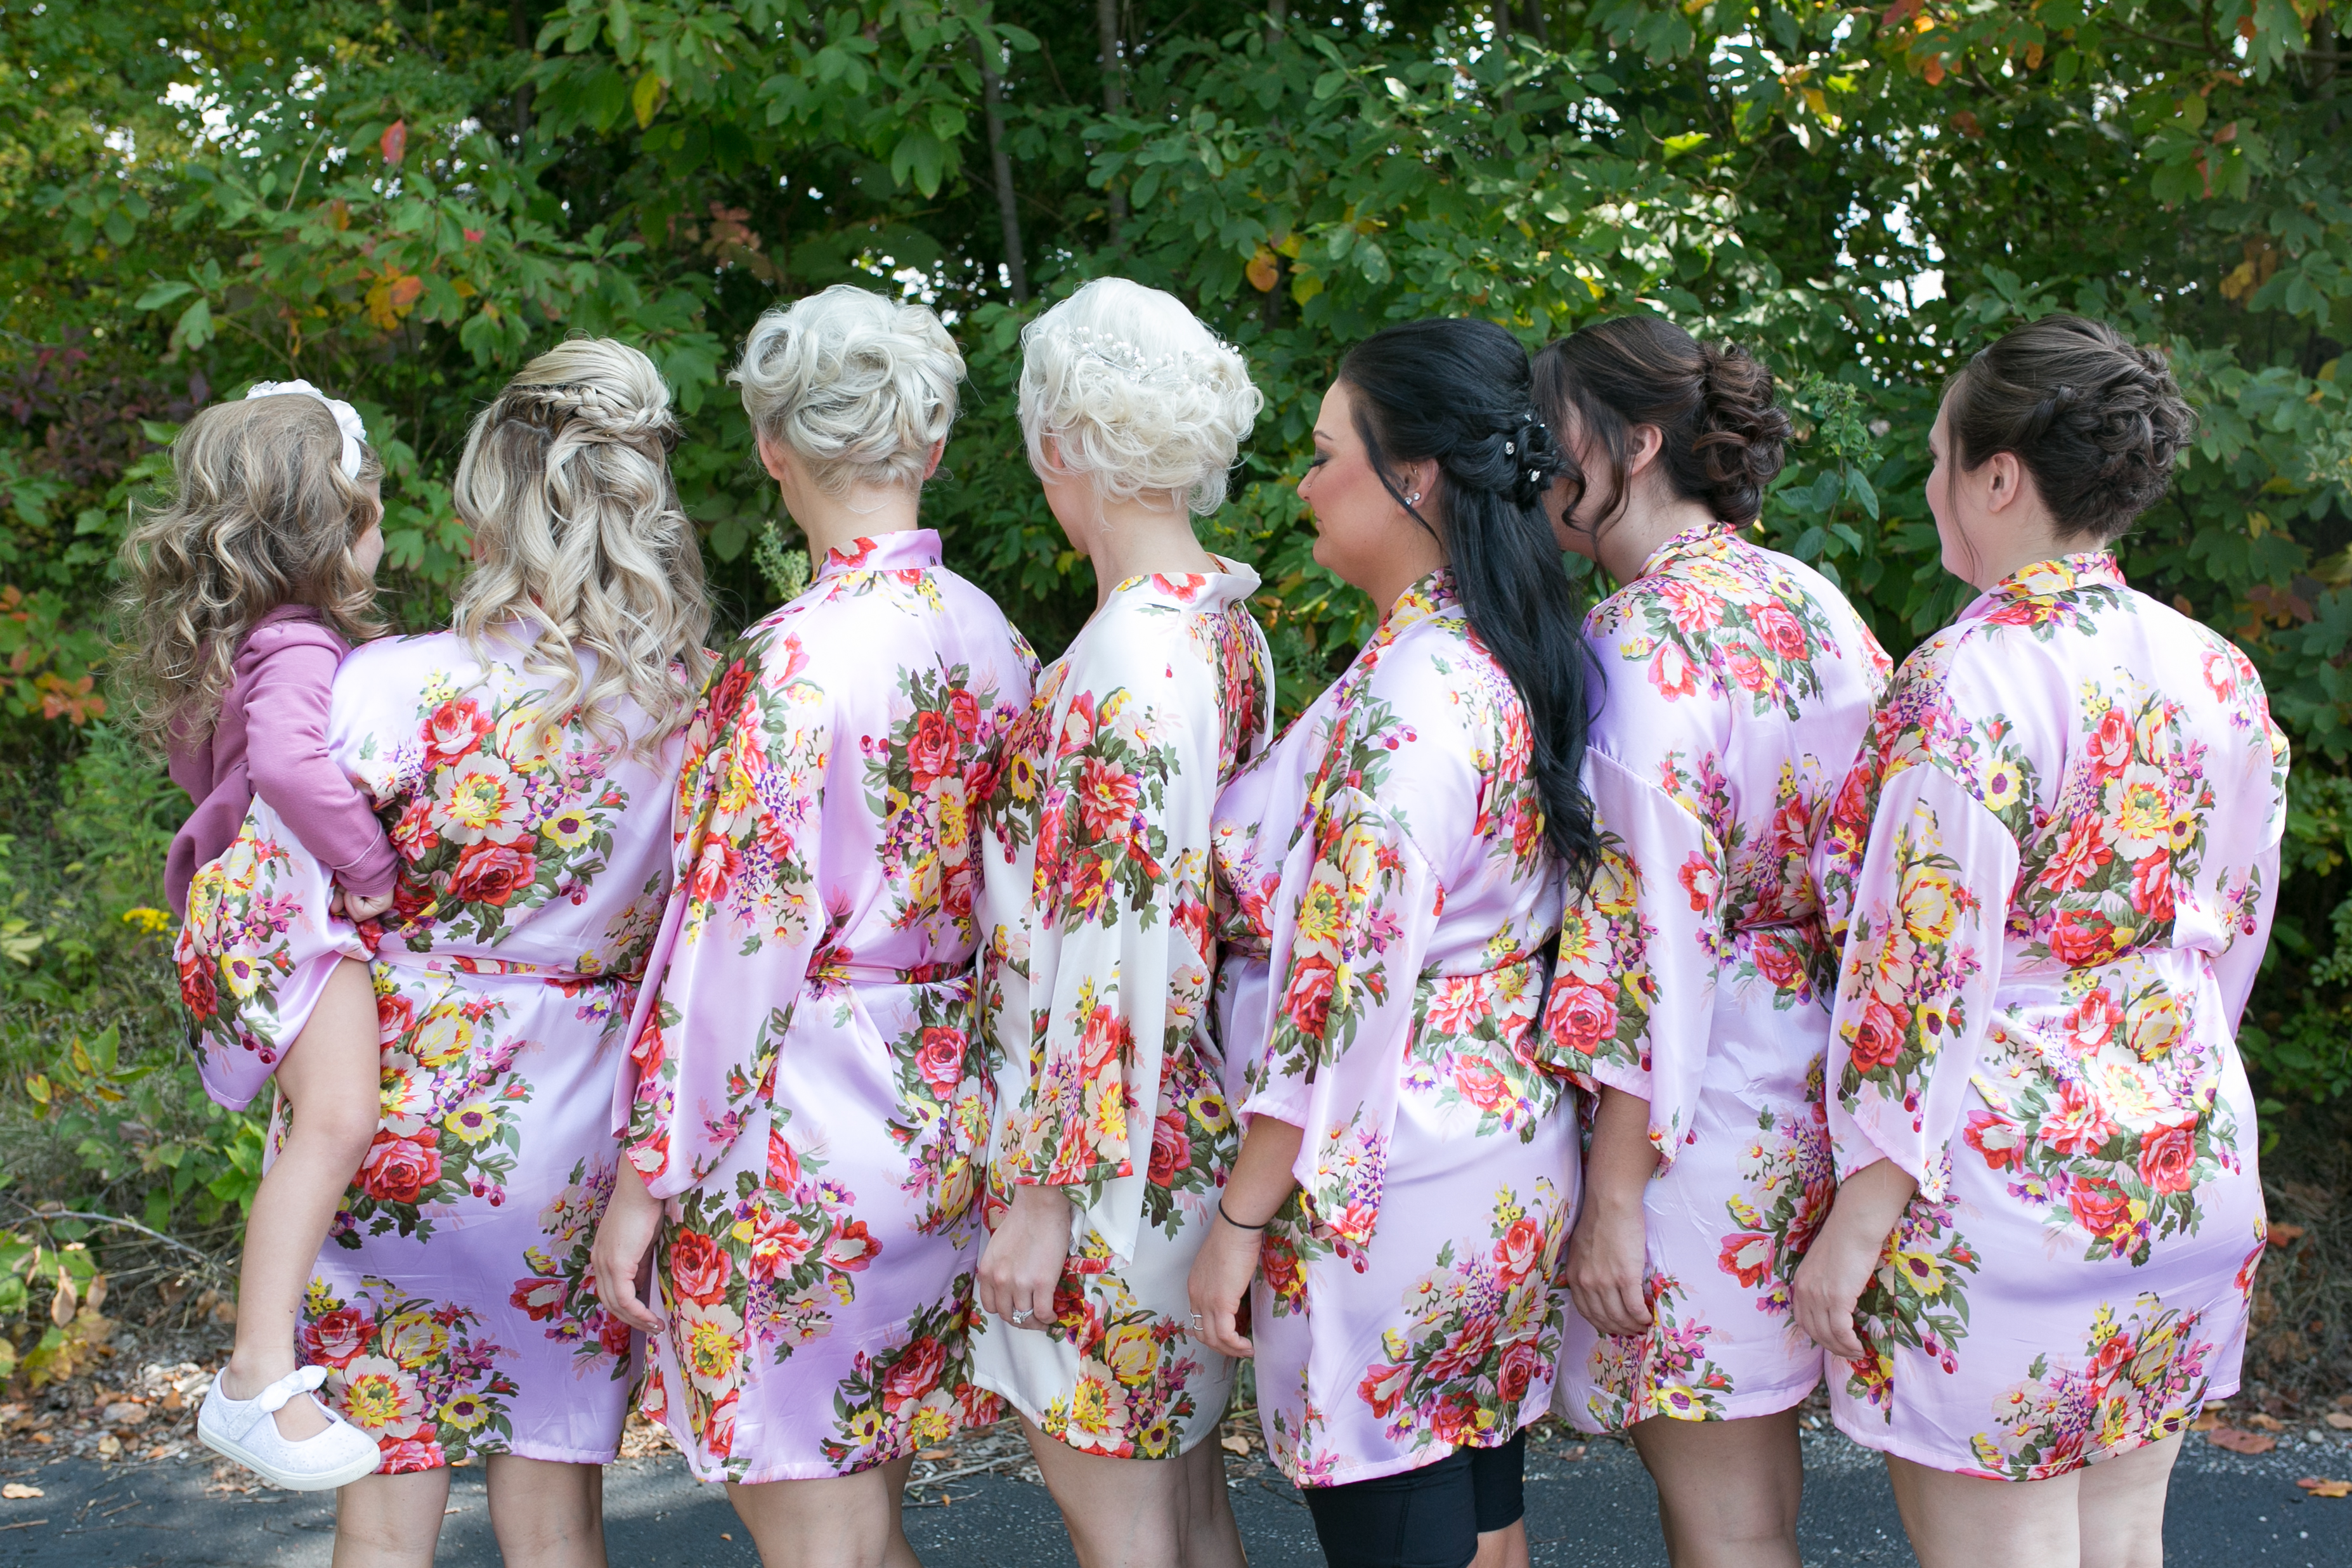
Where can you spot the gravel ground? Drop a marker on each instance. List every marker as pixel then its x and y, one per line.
pixel 1588 1505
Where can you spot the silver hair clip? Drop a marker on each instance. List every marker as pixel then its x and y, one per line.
pixel 1128 359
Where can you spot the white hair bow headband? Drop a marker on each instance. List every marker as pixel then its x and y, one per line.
pixel 347 418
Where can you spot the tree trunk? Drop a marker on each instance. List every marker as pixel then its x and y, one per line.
pixel 1114 87
pixel 1008 214
pixel 519 29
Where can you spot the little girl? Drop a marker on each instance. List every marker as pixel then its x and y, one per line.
pixel 242 597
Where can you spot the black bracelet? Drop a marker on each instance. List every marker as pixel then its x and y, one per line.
pixel 1229 1219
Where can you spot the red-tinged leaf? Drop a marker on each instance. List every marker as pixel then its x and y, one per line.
pixel 1935 71
pixel 2318 1485
pixel 2239 1442
pixel 394 141
pixel 473 237
pixel 2228 134
pixel 2246 28
pixel 1966 125
pixel 2283 1235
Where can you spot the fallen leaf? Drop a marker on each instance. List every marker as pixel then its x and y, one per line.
pixel 2267 1423
pixel 2340 1420
pixel 1234 1444
pixel 110 1446
pixel 933 1456
pixel 1572 1453
pixel 2285 1235
pixel 2205 1422
pixel 124 1413
pixel 2239 1442
pixel 16 1491
pixel 2319 1488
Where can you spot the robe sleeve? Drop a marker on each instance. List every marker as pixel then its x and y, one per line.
pixel 287 760
pixel 1346 964
pixel 2236 966
pixel 743 924
pixel 1921 967
pixel 1121 860
pixel 1632 995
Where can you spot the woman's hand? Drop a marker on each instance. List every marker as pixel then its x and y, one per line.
pixel 1222 1272
pixel 622 1255
pixel 1022 1264
pixel 1608 1263
pixel 359 909
pixel 1830 1281
pixel 1608 1255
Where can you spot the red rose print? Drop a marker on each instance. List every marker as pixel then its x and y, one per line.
pixel 198 992
pixel 915 1374
pixel 2079 1124
pixel 2101 1207
pixel 454 731
pixel 404 1456
pixel 2167 1157
pixel 1673 674
pixel 851 1247
pixel 2081 850
pixel 1994 1136
pixel 1307 1000
pixel 398 1170
pixel 939 1060
pixel 1698 879
pixel 1520 1251
pixel 1581 1016
pixel 1107 799
pixel 2093 1021
pixel 1747 1257
pixel 1692 609
pixel 715 871
pixel 491 873
pixel 1781 632
pixel 1517 1373
pixel 2151 886
pixel 396 1015
pixel 964 709
pixel 698 1267
pixel 539 1298
pixel 612 1334
pixel 1279 1265
pixel 412 834
pixel 2111 744
pixel 1481 1082
pixel 931 749
pixel 2082 937
pixel 333 1338
pixel 1171 1149
pixel 2220 676
pixel 719 1428
pixel 1878 1038
pixel 779 1245
pixel 1748 670
pixel 1778 960
pixel 1382 1386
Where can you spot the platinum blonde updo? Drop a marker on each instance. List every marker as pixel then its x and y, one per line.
pixel 1138 395
pixel 859 388
pixel 578 534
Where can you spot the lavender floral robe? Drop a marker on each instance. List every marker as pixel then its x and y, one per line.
pixel 1095 987
pixel 454 1302
pixel 806 1090
pixel 1387 894
pixel 2059 856
pixel 1739 684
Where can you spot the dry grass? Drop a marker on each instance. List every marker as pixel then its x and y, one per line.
pixel 2299 1346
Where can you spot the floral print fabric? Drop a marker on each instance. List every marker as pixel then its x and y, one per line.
pixel 453 1304
pixel 1387 893
pixel 1696 971
pixel 1096 990
pixel 807 1089
pixel 2059 858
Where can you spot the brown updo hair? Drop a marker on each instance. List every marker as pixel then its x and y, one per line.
pixel 1723 434
pixel 2095 419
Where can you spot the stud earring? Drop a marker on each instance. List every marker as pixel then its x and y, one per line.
pixel 1413 499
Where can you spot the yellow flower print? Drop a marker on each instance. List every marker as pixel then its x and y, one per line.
pixel 443 1036
pixel 1922 1268
pixel 1319 913
pixel 1209 1109
pixel 568 829
pixel 865 1428
pixel 1131 1353
pixel 2129 1090
pixel 1930 909
pixel 954 823
pixel 931 1424
pixel 380 1398
pixel 1106 1109
pixel 711 1347
pixel 2143 821
pixel 1579 944
pixel 1098 1404
pixel 475 1121
pixel 415 1340
pixel 465 1412
pixel 242 975
pixel 1020 777
pixel 2004 785
pixel 483 800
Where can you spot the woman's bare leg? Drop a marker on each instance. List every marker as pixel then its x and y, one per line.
pixel 391 1521
pixel 2120 1506
pixel 547 1515
pixel 1968 1522
pixel 331 1077
pixel 851 1521
pixel 1143 1513
pixel 1728 1491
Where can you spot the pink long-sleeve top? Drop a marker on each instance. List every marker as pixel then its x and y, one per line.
pixel 271 740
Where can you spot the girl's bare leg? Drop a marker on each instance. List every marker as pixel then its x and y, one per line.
pixel 849 1521
pixel 391 1521
pixel 1969 1522
pixel 547 1515
pixel 331 1077
pixel 1503 1548
pixel 1143 1513
pixel 1728 1491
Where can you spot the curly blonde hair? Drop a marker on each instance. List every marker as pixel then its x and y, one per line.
pixel 1136 394
pixel 859 388
pixel 261 515
pixel 565 483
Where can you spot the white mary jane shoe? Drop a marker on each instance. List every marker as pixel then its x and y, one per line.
pixel 243 1430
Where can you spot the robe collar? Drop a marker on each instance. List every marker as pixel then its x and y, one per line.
pixel 2049 580
pixel 908 549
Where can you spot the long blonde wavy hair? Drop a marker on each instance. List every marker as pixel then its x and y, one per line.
pixel 261 515
pixel 579 535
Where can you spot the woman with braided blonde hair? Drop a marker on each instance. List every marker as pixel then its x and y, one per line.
pixel 524 762
pixel 805 1095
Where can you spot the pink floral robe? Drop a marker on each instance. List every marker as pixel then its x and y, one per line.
pixel 1096 990
pixel 1739 686
pixel 454 1302
pixel 806 1090
pixel 2060 857
pixel 1387 895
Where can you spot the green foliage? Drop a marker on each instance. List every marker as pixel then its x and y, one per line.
pixel 402 202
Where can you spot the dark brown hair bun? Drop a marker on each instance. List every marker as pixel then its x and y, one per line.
pixel 2095 419
pixel 1725 435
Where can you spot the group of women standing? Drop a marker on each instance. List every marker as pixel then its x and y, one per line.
pixel 1637 1014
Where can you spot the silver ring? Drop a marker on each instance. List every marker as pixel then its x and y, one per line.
pixel 1017 1319
pixel 1196 1322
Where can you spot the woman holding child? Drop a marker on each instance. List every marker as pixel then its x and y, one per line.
pixel 524 759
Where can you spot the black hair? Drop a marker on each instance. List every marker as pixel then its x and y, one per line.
pixel 1722 434
pixel 1456 393
pixel 2095 420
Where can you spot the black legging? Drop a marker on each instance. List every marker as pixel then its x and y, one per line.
pixel 1428 1518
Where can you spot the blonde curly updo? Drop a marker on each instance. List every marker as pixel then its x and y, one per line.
pixel 858 387
pixel 579 535
pixel 1138 395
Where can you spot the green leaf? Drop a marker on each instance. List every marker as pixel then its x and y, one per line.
pixel 162 294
